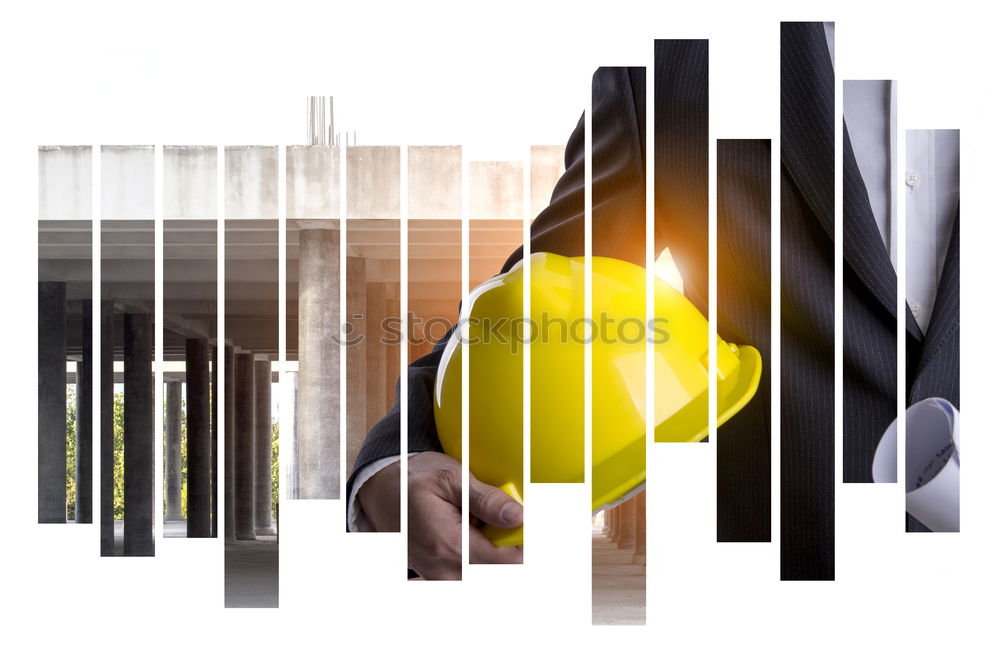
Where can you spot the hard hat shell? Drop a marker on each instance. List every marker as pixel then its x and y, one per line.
pixel 496 329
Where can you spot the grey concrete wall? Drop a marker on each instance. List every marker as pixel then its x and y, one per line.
pixel 251 182
pixel 189 182
pixel 546 168
pixel 496 191
pixel 373 182
pixel 127 183
pixel 64 182
pixel 434 181
pixel 312 182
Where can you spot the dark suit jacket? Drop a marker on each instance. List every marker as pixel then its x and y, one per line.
pixel 932 359
pixel 807 223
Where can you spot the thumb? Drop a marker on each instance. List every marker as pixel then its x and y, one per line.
pixel 492 505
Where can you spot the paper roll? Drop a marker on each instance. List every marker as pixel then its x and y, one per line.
pixel 932 463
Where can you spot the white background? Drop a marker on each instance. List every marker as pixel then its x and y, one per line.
pixel 494 78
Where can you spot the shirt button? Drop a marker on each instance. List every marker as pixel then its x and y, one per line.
pixel 916 308
pixel 912 179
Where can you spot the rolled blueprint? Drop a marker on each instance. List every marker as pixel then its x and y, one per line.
pixel 932 463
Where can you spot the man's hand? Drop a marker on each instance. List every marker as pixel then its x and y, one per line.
pixel 435 514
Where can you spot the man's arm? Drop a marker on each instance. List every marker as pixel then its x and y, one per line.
pixel 619 231
pixel 382 444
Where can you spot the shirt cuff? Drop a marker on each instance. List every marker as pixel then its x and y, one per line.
pixel 357 520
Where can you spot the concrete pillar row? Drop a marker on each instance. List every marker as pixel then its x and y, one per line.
pixel 84 510
pixel 229 442
pixel 376 356
pixel 356 357
pixel 640 529
pixel 318 410
pixel 616 523
pixel 138 345
pixel 627 540
pixel 199 439
pixel 107 401
pixel 262 431
pixel 51 402
pixel 214 398
pixel 391 351
pixel 244 470
pixel 172 434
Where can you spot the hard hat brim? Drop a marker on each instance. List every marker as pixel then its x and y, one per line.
pixel 687 425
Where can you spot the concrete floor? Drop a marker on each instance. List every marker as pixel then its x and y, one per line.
pixel 619 586
pixel 175 528
pixel 251 567
pixel 170 529
pixel 252 573
pixel 120 537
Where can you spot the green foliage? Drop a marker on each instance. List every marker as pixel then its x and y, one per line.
pixel 119 457
pixel 70 452
pixel 274 469
pixel 119 426
pixel 184 459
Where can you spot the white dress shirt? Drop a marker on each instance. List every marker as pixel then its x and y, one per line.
pixel 931 179
pixel 931 184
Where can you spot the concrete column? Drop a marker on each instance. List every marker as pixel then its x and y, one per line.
pixel 616 523
pixel 214 398
pixel 51 402
pixel 244 470
pixel 392 350
pixel 292 471
pixel 85 420
pixel 262 431
pixel 627 540
pixel 229 444
pixel 319 364
pixel 375 358
pixel 606 531
pixel 199 439
pixel 640 529
pixel 107 400
pixel 356 356
pixel 138 344
pixel 172 433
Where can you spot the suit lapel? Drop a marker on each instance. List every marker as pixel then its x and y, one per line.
pixel 806 116
pixel 945 318
pixel 864 249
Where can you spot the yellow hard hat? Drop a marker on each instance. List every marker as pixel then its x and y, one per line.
pixel 557 332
